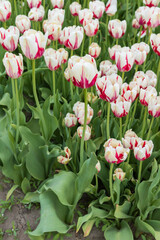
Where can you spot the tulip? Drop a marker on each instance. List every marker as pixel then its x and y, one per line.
pixel 63 55
pixel 154 20
pixel 36 14
pixel 91 27
pixel 115 152
pixel 52 59
pixel 63 160
pixel 147 94
pixel 154 106
pixel 130 139
pixel 33 43
pixel 155 43
pixel 152 78
pixel 91 98
pixel 71 37
pixel 57 3
pixel 143 15
pixel 87 133
pixel 97 8
pixel 82 71
pixel 94 50
pixel 117 28
pixel 75 7
pixel 23 23
pixel 141 79
pixel 70 120
pixel 130 91
pixel 118 173
pixel 67 152
pixel 5 10
pixel 98 166
pixel 112 51
pixel 107 68
pixel 13 65
pixel 124 59
pixel 143 150
pixel 53 28
pixel 56 15
pixel 111 7
pixel 151 3
pixel 9 38
pixel 135 24
pixel 85 14
pixel 120 107
pixel 34 3
pixel 79 111
pixel 141 50
pixel 108 87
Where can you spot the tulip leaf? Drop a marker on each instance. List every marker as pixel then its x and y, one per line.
pixel 122 211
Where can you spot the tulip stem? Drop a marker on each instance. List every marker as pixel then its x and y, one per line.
pixel 127 11
pixel 96 177
pixel 123 76
pixel 54 84
pixel 44 4
pixel 90 41
pixel 126 123
pixel 134 111
pixel 136 68
pixel 120 128
pixel 71 84
pixel 158 80
pixel 82 48
pixel 63 81
pixel 140 33
pixel 150 127
pixel 128 158
pixel 111 181
pixel 84 128
pixel 140 171
pixel 53 44
pixel 144 122
pixel 4 25
pixel 17 106
pixel 106 30
pixel 108 118
pixel 117 41
pixel 13 92
pixel 15 7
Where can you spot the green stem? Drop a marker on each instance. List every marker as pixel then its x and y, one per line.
pixel 117 41
pixel 128 158
pixel 158 80
pixel 84 128
pixel 120 128
pixel 71 84
pixel 53 44
pixel 126 123
pixel 44 4
pixel 13 92
pixel 96 177
pixel 134 111
pixel 66 168
pixel 84 4
pixel 106 29
pixel 108 117
pixel 17 107
pixel 56 44
pixel 54 84
pixel 63 81
pixel 127 11
pixel 150 127
pixel 90 41
pixel 15 7
pixel 150 32
pixel 123 76
pixel 140 33
pixel 144 121
pixel 111 181
pixel 136 68
pixel 82 47
pixel 4 25
pixel 140 171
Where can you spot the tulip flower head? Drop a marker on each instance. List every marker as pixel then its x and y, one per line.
pixel 56 15
pixel 53 28
pixel 52 59
pixel 130 139
pixel 118 173
pixel 57 3
pixel 141 79
pixel 33 43
pixel 151 3
pixel 87 134
pixel 107 68
pixel 85 14
pixel 63 55
pixel 155 43
pixel 141 50
pixel 135 24
pixel 70 120
pixel 9 38
pixel 23 23
pixel 146 95
pixel 112 51
pixel 91 27
pixel 120 107
pixel 94 50
pixel 5 10
pixel 154 106
pixel 75 7
pixel 36 14
pixel 91 97
pixel 97 8
pixel 79 111
pixel 143 150
pixel 13 65
pixel 152 78
pixel 111 7
pixel 34 3
pixel 65 159
pixel 115 152
pixel 124 59
pixel 98 166
pixel 117 28
pixel 130 91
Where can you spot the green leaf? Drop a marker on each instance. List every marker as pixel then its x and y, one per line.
pixel 117 190
pixel 11 191
pixel 25 185
pixel 122 211
pixel 87 227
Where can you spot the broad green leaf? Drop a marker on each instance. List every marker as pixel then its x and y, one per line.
pixel 87 227
pixel 117 190
pixel 25 185
pixel 11 191
pixel 122 211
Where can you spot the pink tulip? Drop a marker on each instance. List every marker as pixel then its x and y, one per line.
pixel 130 91
pixel 97 8
pixel 112 51
pixel 70 120
pixel 75 7
pixel 117 28
pixel 141 50
pixel 94 50
pixel 34 3
pixel 9 38
pixel 52 59
pixel 143 150
pixel 23 23
pixel 87 134
pixel 130 139
pixel 154 106
pixel 36 14
pixel 118 173
pixel 120 107
pixel 57 3
pixel 155 43
pixel 111 7
pixel 91 27
pixel 146 95
pixel 53 28
pixel 5 10
pixel 107 68
pixel 85 14
pixel 124 59
pixel 79 111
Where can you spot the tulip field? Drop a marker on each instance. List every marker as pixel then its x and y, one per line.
pixel 80 114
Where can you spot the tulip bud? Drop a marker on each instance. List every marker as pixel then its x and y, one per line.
pixel 5 10
pixel 115 152
pixel 9 38
pixel 13 65
pixel 65 159
pixel 53 28
pixel 83 71
pixel 85 14
pixel 154 106
pixel 130 91
pixel 130 139
pixel 151 3
pixel 91 27
pixel 36 14
pixel 108 87
pixel 67 152
pixel 91 97
pixel 97 8
pixel 57 3
pixel 33 43
pixel 135 24
pixel 141 79
pixel 94 50
pixel 120 107
pixel 87 134
pixel 141 50
pixel 56 15
pixel 52 59
pixel 147 94
pixel 23 23
pixel 118 173
pixel 70 120
pixel 112 51
pixel 34 3
pixel 111 7
pixel 63 55
pixel 117 28
pixel 152 78
pixel 107 68
pixel 143 150
pixel 124 59
pixel 155 43
pixel 75 7
pixel 79 110
pixel 98 166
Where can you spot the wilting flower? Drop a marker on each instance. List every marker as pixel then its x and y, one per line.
pixel 57 3
pixel 5 10
pixel 85 14
pixel 9 38
pixel 52 58
pixel 36 14
pixel 117 28
pixel 151 3
pixel 63 55
pixel 94 50
pixel 56 15
pixel 135 24
pixel 79 110
pixel 75 7
pixel 34 3
pixel 13 65
pixel 108 87
pixel 97 8
pixel 65 159
pixel 120 107
pixel 146 95
pixel 118 173
pixel 111 7
pixel 130 139
pixel 154 106
pixel 155 43
pixel 82 71
pixel 141 79
pixel 115 152
pixel 130 91
pixel 91 27
pixel 71 37
pixel 141 50
pixel 98 166
pixel 33 43
pixel 152 78
pixel 53 28
pixel 70 120
pixel 112 51
pixel 87 134
pixel 91 97
pixel 143 150
pixel 23 23
pixel 107 68
pixel 124 59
